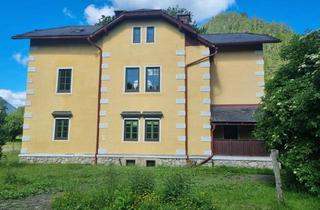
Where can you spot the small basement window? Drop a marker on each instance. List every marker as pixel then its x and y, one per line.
pixel 130 162
pixel 150 163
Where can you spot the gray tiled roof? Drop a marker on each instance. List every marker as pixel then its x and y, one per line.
pixel 82 30
pixel 225 39
pixel 233 114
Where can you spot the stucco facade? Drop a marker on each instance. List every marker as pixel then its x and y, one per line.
pixel 232 77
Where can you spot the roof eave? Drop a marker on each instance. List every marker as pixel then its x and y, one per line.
pixel 50 37
pixel 245 43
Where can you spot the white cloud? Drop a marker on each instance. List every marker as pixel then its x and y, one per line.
pixel 93 13
pixel 21 59
pixel 15 98
pixel 68 13
pixel 201 9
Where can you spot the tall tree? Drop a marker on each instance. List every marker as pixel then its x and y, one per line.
pixel 13 124
pixel 235 22
pixel 104 20
pixel 289 119
pixel 177 10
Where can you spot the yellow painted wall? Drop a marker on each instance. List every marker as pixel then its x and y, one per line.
pixel 198 146
pixel 163 52
pixel 233 81
pixel 234 77
pixel 82 102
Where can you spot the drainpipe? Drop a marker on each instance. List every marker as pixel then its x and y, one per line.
pixel 213 127
pixel 186 104
pixel 99 96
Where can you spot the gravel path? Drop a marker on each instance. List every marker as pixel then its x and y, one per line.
pixel 42 202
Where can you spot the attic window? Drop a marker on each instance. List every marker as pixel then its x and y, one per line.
pixel 78 30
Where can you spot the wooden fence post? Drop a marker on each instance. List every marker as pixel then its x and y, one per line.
pixel 276 171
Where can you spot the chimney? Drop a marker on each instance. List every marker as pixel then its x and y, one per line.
pixel 184 18
pixel 117 13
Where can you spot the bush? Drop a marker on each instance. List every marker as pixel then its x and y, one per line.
pixel 2 122
pixel 289 119
pixel 175 185
pixel 141 182
pixel 138 192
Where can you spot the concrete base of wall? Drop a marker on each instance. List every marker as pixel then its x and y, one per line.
pixel 240 161
pixel 255 162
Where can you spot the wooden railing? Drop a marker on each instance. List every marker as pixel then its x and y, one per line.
pixel 240 147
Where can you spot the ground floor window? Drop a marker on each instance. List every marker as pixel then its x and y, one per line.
pixel 131 129
pixel 61 131
pixel 152 129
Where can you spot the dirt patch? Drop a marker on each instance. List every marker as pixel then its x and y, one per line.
pixel 42 202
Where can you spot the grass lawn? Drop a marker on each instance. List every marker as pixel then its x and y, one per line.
pixel 26 186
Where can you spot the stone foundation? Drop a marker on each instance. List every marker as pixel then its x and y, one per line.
pixel 253 162
pixel 57 159
pixel 238 161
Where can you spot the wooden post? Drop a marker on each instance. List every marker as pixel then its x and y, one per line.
pixel 276 171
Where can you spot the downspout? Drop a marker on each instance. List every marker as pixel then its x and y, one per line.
pixel 186 104
pixel 213 127
pixel 99 96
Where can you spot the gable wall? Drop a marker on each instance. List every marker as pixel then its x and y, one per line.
pixel 237 76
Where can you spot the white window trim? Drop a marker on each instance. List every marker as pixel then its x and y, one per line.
pixel 54 129
pixel 144 130
pixel 154 34
pixel 132 32
pixel 57 77
pixel 123 126
pixel 145 79
pixel 124 80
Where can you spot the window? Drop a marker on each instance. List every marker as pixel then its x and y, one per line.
pixel 131 130
pixel 64 81
pixel 136 35
pixel 152 130
pixel 132 79
pixel 150 34
pixel 231 132
pixel 130 162
pixel 150 163
pixel 153 79
pixel 61 131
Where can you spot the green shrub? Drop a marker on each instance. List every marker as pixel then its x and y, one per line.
pixel 141 182
pixel 289 119
pixel 175 185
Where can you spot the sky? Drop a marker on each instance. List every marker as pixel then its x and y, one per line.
pixel 18 16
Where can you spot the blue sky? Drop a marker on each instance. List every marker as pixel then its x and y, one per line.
pixel 19 16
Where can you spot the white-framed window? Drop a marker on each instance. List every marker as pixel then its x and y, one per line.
pixel 131 128
pixel 150 34
pixel 136 34
pixel 152 78
pixel 132 79
pixel 64 80
pixel 152 129
pixel 61 129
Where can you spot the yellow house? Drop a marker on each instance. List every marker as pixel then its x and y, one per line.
pixel 144 89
